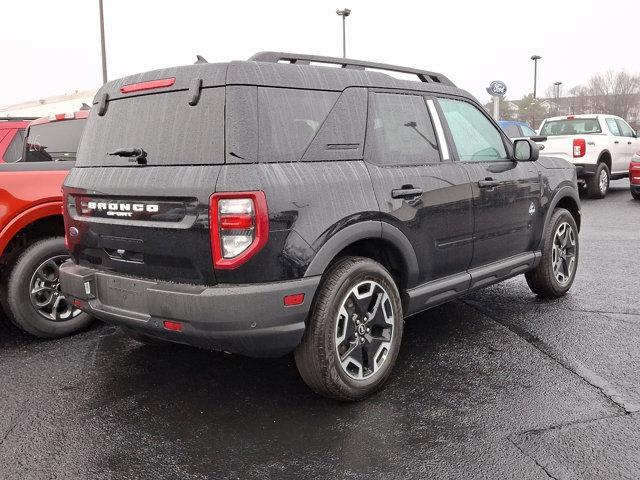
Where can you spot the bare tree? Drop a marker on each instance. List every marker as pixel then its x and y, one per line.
pixel 614 93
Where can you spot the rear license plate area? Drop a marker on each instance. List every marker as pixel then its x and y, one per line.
pixel 123 293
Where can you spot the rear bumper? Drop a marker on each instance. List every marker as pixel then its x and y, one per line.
pixel 247 319
pixel 635 188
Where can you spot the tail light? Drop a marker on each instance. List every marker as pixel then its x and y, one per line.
pixel 579 147
pixel 239 223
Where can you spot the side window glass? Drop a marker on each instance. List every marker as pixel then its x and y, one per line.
pixel 527 131
pixel 625 129
pixel 474 136
pixel 400 131
pixel 613 126
pixel 14 150
pixel 512 131
pixel 288 120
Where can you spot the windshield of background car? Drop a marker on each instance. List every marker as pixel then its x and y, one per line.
pixel 576 126
pixel 54 141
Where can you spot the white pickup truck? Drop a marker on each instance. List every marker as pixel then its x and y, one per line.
pixel 600 146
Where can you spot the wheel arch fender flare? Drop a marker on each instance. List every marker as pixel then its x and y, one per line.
pixel 566 192
pixel 362 231
pixel 26 218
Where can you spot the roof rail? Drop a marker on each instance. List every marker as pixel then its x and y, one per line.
pixel 302 59
pixel 17 119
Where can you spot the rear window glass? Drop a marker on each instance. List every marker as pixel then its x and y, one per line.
pixel 164 125
pixel 511 130
pixel 54 141
pixel 288 120
pixel 577 126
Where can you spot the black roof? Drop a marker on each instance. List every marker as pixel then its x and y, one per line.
pixel 287 70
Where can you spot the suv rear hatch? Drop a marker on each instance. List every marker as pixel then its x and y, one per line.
pixel 144 212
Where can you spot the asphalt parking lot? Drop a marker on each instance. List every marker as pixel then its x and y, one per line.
pixel 497 385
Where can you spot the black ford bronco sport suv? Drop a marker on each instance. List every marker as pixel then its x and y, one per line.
pixel 275 205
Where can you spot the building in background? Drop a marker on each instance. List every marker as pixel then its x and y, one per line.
pixel 44 107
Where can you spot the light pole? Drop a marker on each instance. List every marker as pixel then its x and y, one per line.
pixel 535 59
pixel 557 84
pixel 104 51
pixel 344 14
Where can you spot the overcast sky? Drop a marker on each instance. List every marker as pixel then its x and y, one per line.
pixel 53 47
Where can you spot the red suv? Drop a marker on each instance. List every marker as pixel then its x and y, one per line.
pixel 634 175
pixel 12 137
pixel 31 226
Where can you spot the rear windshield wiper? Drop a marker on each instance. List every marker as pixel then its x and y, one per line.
pixel 134 154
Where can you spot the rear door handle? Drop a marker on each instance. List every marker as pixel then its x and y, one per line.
pixel 616 142
pixel 629 143
pixel 406 192
pixel 488 183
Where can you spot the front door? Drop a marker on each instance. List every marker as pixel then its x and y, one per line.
pixel 418 188
pixel 506 193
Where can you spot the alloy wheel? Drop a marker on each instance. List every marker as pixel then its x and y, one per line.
pixel 563 254
pixel 45 294
pixel 364 330
pixel 603 181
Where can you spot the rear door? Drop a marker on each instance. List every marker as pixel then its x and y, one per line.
pixel 506 193
pixel 418 188
pixel 149 217
pixel 618 144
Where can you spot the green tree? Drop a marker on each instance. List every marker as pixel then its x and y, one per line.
pixel 532 110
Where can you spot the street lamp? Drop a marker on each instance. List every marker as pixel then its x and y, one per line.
pixel 535 59
pixel 104 51
pixel 557 84
pixel 344 14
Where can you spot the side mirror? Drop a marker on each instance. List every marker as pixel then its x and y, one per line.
pixel 526 150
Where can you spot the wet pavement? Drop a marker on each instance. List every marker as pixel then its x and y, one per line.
pixel 497 385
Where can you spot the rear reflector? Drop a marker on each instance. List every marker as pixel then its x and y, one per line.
pixel 236 222
pixel 295 299
pixel 173 326
pixel 80 304
pixel 150 85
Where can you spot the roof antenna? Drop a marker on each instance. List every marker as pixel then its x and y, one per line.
pixel 200 59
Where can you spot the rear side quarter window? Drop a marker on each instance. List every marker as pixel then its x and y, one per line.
pixel 288 120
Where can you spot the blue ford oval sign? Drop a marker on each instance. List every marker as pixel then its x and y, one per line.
pixel 497 88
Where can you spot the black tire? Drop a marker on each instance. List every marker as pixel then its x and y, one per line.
pixel 594 187
pixel 635 194
pixel 317 356
pixel 543 280
pixel 144 338
pixel 17 302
